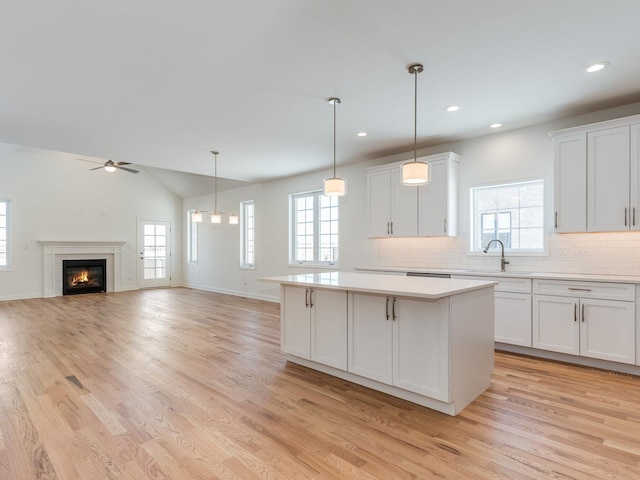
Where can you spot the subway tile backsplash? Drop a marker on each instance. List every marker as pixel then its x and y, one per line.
pixel 590 253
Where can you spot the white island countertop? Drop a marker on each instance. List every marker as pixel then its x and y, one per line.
pixel 419 287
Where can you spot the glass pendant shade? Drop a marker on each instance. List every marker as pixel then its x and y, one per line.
pixel 216 217
pixel 416 173
pixel 233 219
pixel 196 217
pixel 335 187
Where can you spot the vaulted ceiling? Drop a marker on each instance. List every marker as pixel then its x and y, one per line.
pixel 160 84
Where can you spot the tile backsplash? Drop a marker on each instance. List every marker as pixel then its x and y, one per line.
pixel 590 253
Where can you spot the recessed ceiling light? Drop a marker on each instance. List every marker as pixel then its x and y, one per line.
pixel 362 134
pixel 452 108
pixel 596 67
pixel 495 125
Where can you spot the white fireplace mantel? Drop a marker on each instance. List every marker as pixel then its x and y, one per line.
pixel 56 251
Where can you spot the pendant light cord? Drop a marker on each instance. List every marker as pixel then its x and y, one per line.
pixel 415 114
pixel 334 137
pixel 215 182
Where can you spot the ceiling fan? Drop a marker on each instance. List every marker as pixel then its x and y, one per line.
pixel 111 166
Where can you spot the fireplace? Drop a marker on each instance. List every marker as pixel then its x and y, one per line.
pixel 84 276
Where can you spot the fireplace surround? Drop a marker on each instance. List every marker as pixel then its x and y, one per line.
pixel 54 252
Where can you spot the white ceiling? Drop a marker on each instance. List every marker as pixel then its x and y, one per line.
pixel 160 83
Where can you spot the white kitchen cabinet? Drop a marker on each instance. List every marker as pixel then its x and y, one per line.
pixel 608 167
pixel 401 342
pixel 512 317
pixel 597 176
pixel 397 210
pixel 314 325
pixel 393 207
pixel 576 322
pixel 437 201
pixel 570 183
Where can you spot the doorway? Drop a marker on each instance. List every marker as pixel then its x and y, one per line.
pixel 154 245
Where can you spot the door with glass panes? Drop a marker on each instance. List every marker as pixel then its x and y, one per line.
pixel 154 263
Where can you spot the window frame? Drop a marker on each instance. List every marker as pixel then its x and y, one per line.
pixel 245 241
pixel 317 220
pixel 192 239
pixel 474 216
pixel 7 229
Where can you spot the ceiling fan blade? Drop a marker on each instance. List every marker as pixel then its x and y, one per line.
pixel 127 169
pixel 123 163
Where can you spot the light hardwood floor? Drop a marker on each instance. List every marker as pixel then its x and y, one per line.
pixel 184 384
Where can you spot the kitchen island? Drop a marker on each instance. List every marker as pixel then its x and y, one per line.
pixel 426 340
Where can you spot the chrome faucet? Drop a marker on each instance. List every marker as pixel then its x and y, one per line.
pixel 503 262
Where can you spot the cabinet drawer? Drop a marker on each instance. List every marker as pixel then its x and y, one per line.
pixel 605 291
pixel 505 284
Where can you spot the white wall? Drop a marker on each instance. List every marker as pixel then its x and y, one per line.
pixel 512 155
pixel 56 197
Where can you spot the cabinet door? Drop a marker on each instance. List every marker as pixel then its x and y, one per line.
pixel 404 206
pixel 433 205
pixel 555 324
pixel 608 171
pixel 379 203
pixel 329 328
pixel 607 330
pixel 635 177
pixel 295 322
pixel 370 337
pixel 421 347
pixel 513 318
pixel 570 183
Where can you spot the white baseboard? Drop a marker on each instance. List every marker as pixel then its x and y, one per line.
pixel 266 298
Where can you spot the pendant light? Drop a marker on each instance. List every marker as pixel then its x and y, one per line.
pixel 415 173
pixel 196 217
pixel 334 186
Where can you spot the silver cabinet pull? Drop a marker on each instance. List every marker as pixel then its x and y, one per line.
pixel 556 219
pixel 394 308
pixel 575 289
pixel 583 313
pixel 625 216
pixel 445 225
pixel 575 312
pixel 387 308
pixel 391 228
pixel 388 230
pixel 311 297
pixel 306 298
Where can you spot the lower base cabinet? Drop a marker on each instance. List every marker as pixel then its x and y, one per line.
pixel 602 329
pixel 513 318
pixel 401 342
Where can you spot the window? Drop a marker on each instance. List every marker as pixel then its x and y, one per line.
pixel 4 234
pixel 192 239
pixel 512 213
pixel 247 235
pixel 314 229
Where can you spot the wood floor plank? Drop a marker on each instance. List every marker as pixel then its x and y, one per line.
pixel 183 384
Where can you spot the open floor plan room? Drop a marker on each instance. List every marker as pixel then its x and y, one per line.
pixel 186 384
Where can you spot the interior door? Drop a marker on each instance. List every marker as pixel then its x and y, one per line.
pixel 154 245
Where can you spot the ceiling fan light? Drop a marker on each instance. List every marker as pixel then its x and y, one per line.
pixel 233 219
pixel 196 217
pixel 416 173
pixel 216 217
pixel 335 187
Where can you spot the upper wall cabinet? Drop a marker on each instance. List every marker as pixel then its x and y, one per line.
pixel 397 210
pixel 597 177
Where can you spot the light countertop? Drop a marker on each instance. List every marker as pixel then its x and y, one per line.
pixel 585 277
pixel 429 288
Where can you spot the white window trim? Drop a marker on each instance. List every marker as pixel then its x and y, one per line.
pixel 243 246
pixel 7 267
pixel 518 252
pixel 292 234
